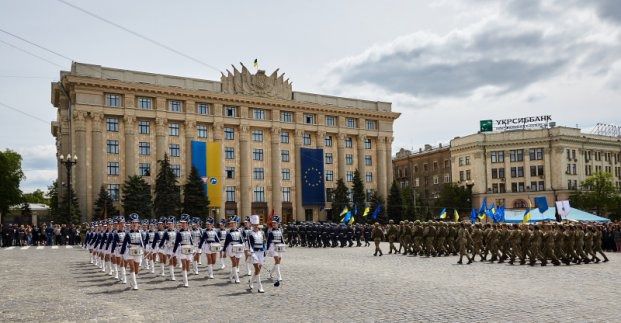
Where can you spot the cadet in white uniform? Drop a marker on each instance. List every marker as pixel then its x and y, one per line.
pixel 256 240
pixel 222 231
pixel 167 244
pixel 210 244
pixel 133 248
pixel 275 248
pixel 183 247
pixel 197 232
pixel 233 244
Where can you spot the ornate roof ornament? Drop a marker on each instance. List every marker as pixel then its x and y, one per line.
pixel 258 84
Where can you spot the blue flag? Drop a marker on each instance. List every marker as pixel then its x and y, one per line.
pixel 473 216
pixel 500 213
pixel 313 188
pixel 376 212
pixel 542 203
pixel 347 217
pixel 483 206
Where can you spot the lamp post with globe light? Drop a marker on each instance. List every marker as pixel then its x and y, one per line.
pixel 69 162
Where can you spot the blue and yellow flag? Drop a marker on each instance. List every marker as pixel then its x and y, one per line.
pixel 443 213
pixel 455 216
pixel 366 212
pixel 473 216
pixel 207 159
pixel 377 211
pixel 528 213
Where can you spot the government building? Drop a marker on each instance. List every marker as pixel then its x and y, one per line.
pixel 259 146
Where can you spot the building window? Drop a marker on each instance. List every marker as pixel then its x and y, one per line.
pixel 258 114
pixel 258 173
pixel 144 148
pixel 230 112
pixel 468 175
pixel 518 187
pixel 175 106
pixel 257 154
pixel 259 194
pixel 144 169
pixel 349 143
pixel 447 163
pixel 436 179
pixel 113 168
pixel 286 174
pixel 467 160
pixel 371 124
pixel 328 158
pixel 425 167
pixel 497 157
pixel 112 124
pixel 286 194
pixel 286 116
pixel 144 127
pixel 257 135
pixel 284 156
pixel 173 129
pixel 369 177
pixel 517 172
pixel 113 100
pixel 113 147
pixel 461 176
pixel 328 141
pixel 113 191
pixel 435 165
pixel 329 176
pixel 367 143
pixel 202 131
pixel 416 182
pixel 535 153
pixel 516 155
pixel 202 108
pixel 498 173
pixel 368 161
pixel 351 123
pixel 306 139
pixel 176 168
pixel 229 153
pixel 230 172
pixel 350 176
pixel 329 195
pixel 447 178
pixel 230 193
pixel 330 121
pixel 284 137
pixel 537 186
pixel 349 159
pixel 536 170
pixel 309 118
pixel 145 103
pixel 175 151
pixel 229 133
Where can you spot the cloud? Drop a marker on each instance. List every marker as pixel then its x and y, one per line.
pixel 525 43
pixel 39 166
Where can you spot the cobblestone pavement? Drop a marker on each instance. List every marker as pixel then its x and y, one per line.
pixel 347 284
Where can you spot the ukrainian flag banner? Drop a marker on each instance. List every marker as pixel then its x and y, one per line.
pixel 443 213
pixel 207 159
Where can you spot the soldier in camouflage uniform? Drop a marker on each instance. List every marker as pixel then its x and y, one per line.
pixel 569 242
pixel 491 239
pixel 392 236
pixel 588 244
pixel 579 244
pixel 377 235
pixel 430 236
pixel 548 246
pixel 525 240
pixel 452 238
pixel 534 248
pixel 515 240
pixel 504 246
pixel 597 241
pixel 417 238
pixel 463 239
pixel 477 240
pixel 441 234
pixel 400 236
pixel 406 238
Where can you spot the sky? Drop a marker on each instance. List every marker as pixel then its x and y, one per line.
pixel 444 64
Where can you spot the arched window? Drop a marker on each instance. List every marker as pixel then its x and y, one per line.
pixel 519 204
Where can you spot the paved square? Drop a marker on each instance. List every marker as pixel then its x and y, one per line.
pixel 346 284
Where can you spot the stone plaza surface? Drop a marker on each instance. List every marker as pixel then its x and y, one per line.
pixel 346 284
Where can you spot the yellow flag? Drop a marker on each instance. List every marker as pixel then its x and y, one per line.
pixel 456 215
pixel 214 173
pixel 366 212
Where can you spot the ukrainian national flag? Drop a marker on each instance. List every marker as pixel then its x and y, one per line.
pixel 528 213
pixel 443 213
pixel 207 159
pixel 366 212
pixel 455 216
pixel 473 216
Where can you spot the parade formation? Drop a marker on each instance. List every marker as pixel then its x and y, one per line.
pixel 116 247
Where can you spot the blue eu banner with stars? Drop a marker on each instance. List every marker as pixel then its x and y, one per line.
pixel 313 188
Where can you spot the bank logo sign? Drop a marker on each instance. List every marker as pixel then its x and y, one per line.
pixel 515 123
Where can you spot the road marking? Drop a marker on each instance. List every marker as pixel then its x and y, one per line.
pixel 69 247
pixel 54 247
pixel 40 247
pixel 9 248
pixel 25 247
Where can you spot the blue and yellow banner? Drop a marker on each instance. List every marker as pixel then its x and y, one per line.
pixel 207 158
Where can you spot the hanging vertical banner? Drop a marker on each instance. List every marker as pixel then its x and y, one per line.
pixel 313 188
pixel 207 159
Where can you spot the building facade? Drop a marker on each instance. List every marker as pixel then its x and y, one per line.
pixel 512 167
pixel 120 123
pixel 425 171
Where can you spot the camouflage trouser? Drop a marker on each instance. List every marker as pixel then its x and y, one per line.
pixel 476 249
pixel 548 254
pixel 407 244
pixel 417 245
pixel 440 246
pixel 462 249
pixel 377 245
pixel 570 252
pixel 429 246
pixel 391 243
pixel 580 251
pixel 516 251
pixel 533 253
pixel 588 249
pixel 492 248
pixel 559 251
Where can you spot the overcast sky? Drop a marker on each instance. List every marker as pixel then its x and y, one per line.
pixel 443 64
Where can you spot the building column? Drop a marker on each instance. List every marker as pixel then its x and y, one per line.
pixel 547 168
pixel 190 135
pixel 79 177
pixel 382 180
pixel 244 171
pixel 218 135
pixel 275 163
pixel 160 141
pixel 130 146
pixel 389 173
pixel 340 152
pixel 360 157
pixel 299 208
pixel 97 155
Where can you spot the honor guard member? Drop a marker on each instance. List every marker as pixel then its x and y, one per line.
pixel 222 231
pixel 196 237
pixel 183 247
pixel 148 245
pixel 275 248
pixel 210 244
pixel 168 243
pixel 245 231
pixel 157 251
pixel 144 228
pixel 233 244
pixel 256 239
pixel 109 243
pixel 117 256
pixel 133 248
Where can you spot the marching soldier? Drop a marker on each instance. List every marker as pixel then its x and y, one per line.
pixel 256 241
pixel 392 236
pixel 132 248
pixel 210 243
pixel 275 245
pixel 377 235
pixel 183 248
pixel 463 238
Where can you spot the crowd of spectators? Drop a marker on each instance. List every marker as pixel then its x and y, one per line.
pixel 46 234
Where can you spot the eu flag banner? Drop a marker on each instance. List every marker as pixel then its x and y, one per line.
pixel 313 187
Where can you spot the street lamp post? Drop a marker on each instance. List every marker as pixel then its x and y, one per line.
pixel 69 162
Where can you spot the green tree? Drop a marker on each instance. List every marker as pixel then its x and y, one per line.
pixel 137 197
pixel 65 215
pixel 52 195
pixel 38 196
pixel 454 197
pixel 26 211
pixel 374 202
pixel 104 206
pixel 395 203
pixel 358 195
pixel 11 176
pixel 340 201
pixel 195 199
pixel 407 196
pixel 167 193
pixel 598 194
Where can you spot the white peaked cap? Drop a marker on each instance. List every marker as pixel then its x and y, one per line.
pixel 254 219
